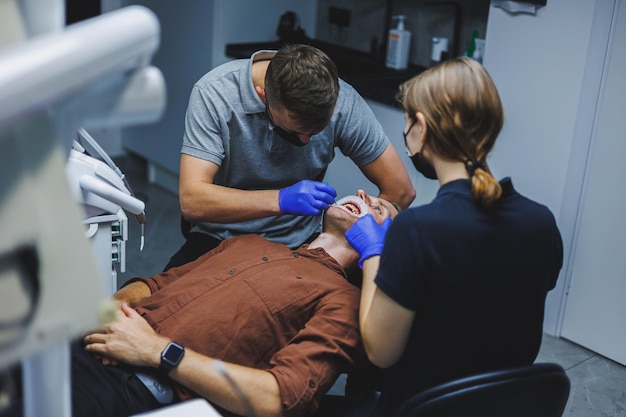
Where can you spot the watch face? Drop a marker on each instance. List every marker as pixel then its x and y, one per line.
pixel 173 353
pixel 171 356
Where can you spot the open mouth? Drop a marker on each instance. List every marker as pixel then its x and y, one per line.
pixel 353 205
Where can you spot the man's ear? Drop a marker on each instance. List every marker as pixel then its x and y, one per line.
pixel 261 92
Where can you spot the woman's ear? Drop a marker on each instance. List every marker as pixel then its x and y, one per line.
pixel 422 127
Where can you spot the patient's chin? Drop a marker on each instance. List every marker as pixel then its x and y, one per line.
pixel 337 219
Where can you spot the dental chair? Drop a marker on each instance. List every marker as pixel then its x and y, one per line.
pixel 537 390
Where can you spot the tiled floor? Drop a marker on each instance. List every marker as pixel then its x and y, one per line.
pixel 598 385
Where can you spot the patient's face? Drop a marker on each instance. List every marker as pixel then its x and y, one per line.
pixel 349 209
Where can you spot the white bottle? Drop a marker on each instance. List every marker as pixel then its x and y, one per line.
pixel 398 46
pixel 439 50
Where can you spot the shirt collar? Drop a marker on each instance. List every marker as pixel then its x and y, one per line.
pixel 463 187
pixel 251 101
pixel 320 255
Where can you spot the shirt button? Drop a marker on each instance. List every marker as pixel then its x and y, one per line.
pixel 231 271
pixel 265 259
pixel 298 276
pixel 311 384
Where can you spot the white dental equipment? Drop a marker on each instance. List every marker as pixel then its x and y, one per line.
pixel 97 187
pixel 131 205
pixel 103 192
pixel 91 74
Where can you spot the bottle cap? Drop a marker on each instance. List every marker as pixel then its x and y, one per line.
pixel 400 18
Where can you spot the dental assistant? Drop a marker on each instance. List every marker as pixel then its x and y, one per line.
pixel 457 286
pixel 259 136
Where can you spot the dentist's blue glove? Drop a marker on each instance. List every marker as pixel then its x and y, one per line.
pixel 306 198
pixel 368 237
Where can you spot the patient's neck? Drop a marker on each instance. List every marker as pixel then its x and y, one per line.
pixel 337 247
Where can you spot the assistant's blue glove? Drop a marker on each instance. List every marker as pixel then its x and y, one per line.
pixel 368 237
pixel 306 198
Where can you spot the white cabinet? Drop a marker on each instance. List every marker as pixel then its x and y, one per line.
pixel 595 308
pixel 538 64
pixel 560 76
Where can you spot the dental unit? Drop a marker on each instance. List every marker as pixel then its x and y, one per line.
pixel 55 81
pixel 102 191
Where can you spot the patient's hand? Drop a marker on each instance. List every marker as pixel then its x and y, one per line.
pixel 129 339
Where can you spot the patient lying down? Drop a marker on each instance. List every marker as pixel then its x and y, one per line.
pixel 281 323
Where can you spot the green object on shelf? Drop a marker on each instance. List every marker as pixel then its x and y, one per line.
pixel 472 45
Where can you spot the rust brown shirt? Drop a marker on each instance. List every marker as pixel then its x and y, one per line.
pixel 260 304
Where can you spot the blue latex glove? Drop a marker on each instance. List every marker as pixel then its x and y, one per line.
pixel 306 198
pixel 368 237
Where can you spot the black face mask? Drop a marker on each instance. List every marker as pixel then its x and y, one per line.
pixel 289 137
pixel 423 166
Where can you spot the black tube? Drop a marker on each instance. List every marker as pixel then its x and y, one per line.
pixel 388 17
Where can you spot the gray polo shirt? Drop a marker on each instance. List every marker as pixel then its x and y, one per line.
pixel 226 124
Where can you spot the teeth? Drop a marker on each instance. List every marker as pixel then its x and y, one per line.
pixel 353 205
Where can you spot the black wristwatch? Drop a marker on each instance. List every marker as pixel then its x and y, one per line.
pixel 171 357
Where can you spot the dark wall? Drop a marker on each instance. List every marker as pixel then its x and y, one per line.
pixel 425 19
pixel 77 10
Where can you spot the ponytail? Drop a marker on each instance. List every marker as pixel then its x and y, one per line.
pixel 485 188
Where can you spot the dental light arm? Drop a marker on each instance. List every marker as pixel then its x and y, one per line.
pixel 82 72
